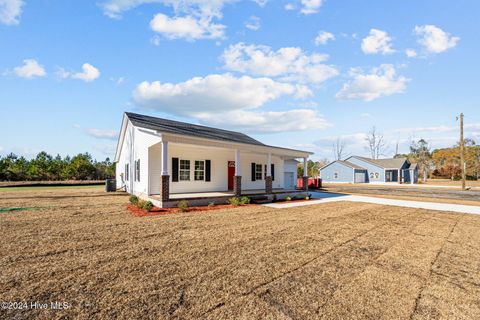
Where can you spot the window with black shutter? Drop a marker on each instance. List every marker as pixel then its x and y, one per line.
pixel 174 169
pixel 208 165
pixel 253 171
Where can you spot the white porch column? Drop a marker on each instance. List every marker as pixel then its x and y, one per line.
pixel 237 163
pixel 305 167
pixel 399 180
pixel 164 158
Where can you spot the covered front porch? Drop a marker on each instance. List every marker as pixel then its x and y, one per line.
pixel 203 171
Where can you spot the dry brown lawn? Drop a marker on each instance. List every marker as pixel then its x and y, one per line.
pixel 333 261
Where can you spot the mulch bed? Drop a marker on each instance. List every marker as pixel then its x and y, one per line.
pixel 137 212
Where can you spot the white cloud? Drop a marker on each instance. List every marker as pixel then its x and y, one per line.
pixel 253 23
pixel 30 69
pixel 291 63
pixel 117 80
pixel 10 11
pixel 102 133
pixel 268 121
pixel 323 37
pixel 310 6
pixel 411 53
pixel 261 3
pixel 377 41
pixel 213 93
pixel 289 7
pixel 155 40
pixel 381 81
pixel 187 27
pixel 434 39
pixel 204 8
pixel 88 74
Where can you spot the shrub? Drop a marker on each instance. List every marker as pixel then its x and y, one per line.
pixel 142 204
pixel 234 201
pixel 133 199
pixel 147 205
pixel 211 204
pixel 182 205
pixel 288 198
pixel 245 200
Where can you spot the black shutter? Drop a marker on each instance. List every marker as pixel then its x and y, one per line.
pixel 253 171
pixel 138 173
pixel 272 169
pixel 174 169
pixel 207 170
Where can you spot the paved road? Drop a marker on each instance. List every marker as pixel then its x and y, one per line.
pixel 407 191
pixel 325 197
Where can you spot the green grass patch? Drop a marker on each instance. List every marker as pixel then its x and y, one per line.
pixel 14 209
pixel 20 188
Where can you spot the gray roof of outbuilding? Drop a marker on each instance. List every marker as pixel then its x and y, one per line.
pixel 393 163
pixel 183 128
pixel 351 165
pixel 413 166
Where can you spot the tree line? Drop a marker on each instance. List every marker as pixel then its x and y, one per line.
pixel 436 163
pixel 45 167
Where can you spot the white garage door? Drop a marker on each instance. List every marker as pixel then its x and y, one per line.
pixel 359 177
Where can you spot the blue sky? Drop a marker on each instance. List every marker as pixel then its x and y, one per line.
pixel 294 73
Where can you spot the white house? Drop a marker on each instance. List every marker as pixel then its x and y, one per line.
pixel 165 161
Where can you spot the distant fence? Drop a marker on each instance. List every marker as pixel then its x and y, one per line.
pixel 313 183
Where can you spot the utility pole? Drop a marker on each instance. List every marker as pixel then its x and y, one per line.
pixel 462 152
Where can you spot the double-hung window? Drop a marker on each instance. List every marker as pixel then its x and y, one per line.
pixel 137 170
pixel 258 172
pixel 184 170
pixel 199 173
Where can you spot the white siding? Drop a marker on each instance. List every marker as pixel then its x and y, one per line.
pixel 219 169
pixel 135 147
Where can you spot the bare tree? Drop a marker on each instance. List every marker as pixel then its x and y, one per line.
pixel 338 148
pixel 376 143
pixel 422 156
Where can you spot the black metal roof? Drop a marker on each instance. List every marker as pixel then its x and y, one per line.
pixel 183 128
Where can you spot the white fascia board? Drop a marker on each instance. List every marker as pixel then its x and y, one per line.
pixel 121 137
pixel 176 138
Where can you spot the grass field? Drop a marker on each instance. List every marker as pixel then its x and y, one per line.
pixel 333 261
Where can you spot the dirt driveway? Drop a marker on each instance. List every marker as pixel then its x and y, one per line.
pixel 333 261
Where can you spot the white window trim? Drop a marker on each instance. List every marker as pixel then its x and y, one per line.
pixel 180 170
pixel 257 172
pixel 199 170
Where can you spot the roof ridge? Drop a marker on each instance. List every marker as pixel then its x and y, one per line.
pixel 186 123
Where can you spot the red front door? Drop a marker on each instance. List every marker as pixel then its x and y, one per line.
pixel 231 174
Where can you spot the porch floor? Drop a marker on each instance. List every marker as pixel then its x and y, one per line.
pixel 216 194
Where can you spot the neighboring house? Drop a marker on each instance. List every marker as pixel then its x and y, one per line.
pixel 357 169
pixel 165 161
